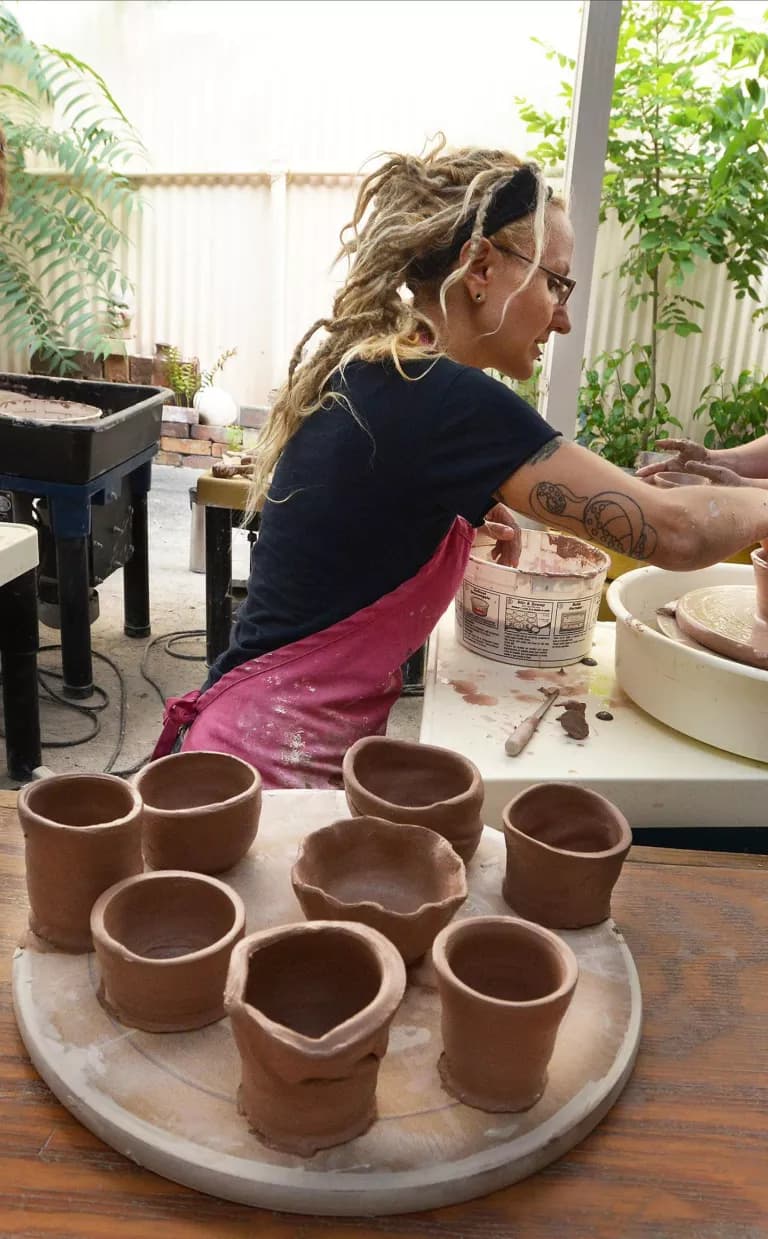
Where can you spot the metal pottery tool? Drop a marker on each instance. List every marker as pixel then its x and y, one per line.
pixel 517 740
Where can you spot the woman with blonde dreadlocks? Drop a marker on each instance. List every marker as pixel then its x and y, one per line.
pixel 389 445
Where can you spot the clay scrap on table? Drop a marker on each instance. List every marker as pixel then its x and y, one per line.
pixel 573 720
pixel 233 467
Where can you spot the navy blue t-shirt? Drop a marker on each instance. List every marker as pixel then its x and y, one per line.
pixel 363 502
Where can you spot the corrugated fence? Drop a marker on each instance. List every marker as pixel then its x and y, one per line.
pixel 244 261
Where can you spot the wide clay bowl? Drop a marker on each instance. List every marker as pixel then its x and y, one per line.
pixel 416 784
pixel 201 811
pixel 163 942
pixel 311 1004
pixel 671 477
pixel 565 849
pixel 504 987
pixel 407 882
pixel 82 833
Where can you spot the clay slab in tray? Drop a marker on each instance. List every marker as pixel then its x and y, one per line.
pixel 168 1101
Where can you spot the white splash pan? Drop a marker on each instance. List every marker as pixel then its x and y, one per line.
pixel 704 696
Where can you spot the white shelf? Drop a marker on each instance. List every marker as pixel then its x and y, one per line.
pixel 18 551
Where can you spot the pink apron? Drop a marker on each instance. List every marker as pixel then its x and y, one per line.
pixel 294 712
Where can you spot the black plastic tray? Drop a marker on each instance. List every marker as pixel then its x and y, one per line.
pixel 53 452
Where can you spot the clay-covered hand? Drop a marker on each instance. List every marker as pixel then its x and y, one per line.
pixel 717 474
pixel 500 523
pixel 686 451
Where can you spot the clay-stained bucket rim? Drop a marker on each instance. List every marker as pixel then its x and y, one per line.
pixel 348 774
pixel 193 810
pixel 100 932
pixel 466 926
pixel 405 831
pixel 623 845
pixel 598 558
pixel 30 790
pixel 383 1005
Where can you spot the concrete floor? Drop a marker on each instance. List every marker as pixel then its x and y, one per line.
pixel 177 599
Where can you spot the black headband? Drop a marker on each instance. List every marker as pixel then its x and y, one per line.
pixel 513 200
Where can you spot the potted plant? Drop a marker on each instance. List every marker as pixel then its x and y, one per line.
pixel 194 388
pixel 60 281
pixel 616 414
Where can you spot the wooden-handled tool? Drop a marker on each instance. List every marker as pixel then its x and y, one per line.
pixel 518 739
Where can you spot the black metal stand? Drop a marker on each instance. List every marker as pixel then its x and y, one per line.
pixel 18 662
pixel 136 569
pixel 218 581
pixel 74 584
pixel 70 507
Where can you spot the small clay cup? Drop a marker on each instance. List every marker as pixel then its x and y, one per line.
pixel 760 564
pixel 504 988
pixel 565 849
pixel 407 882
pixel 201 811
pixel 417 784
pixel 671 477
pixel 82 833
pixel 310 1006
pixel 163 942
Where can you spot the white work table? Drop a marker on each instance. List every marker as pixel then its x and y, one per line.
pixel 657 776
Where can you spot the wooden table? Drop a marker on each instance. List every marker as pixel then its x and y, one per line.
pixel 684 1152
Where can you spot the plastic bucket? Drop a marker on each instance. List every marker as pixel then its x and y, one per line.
pixel 541 613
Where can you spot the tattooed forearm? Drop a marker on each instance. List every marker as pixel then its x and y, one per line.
pixel 610 518
pixel 545 451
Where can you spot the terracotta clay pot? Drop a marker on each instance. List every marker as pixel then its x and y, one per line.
pixel 418 784
pixel 565 849
pixel 407 882
pixel 504 987
pixel 201 811
pixel 760 564
pixel 672 477
pixel 163 942
pixel 82 833
pixel 310 1006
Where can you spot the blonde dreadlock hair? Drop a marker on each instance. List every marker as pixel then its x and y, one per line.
pixel 407 211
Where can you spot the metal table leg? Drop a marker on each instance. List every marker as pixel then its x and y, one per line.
pixel 75 616
pixel 136 569
pixel 18 661
pixel 218 581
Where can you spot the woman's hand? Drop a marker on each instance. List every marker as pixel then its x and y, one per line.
pixel 717 474
pixel 687 452
pixel 500 523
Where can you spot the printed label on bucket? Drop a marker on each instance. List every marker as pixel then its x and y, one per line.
pixel 530 618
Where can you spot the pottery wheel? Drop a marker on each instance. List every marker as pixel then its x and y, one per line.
pixel 168 1100
pixel 722 618
pixel 36 409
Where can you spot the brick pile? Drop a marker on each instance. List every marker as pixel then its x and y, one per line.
pixel 183 441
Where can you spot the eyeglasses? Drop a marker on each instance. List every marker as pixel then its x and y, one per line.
pixel 560 285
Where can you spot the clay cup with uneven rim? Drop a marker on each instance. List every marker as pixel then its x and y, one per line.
pixel 674 477
pixel 417 784
pixel 311 1005
pixel 82 833
pixel 201 811
pixel 163 942
pixel 504 987
pixel 405 881
pixel 565 849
